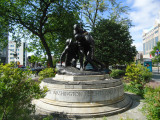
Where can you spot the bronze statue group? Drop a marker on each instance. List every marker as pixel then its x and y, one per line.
pixel 82 49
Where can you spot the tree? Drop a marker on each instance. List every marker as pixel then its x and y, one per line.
pixel 113 43
pixel 3 33
pixel 155 53
pixel 94 10
pixel 49 20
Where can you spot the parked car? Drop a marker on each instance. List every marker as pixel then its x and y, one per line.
pixel 38 69
pixel 23 68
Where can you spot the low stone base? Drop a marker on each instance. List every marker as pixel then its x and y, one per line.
pixel 82 110
pixel 83 96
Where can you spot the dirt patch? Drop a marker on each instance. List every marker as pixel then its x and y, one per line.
pixel 153 84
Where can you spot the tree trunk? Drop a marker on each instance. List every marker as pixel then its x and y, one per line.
pixel 47 51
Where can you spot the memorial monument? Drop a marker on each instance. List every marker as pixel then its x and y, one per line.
pixel 78 93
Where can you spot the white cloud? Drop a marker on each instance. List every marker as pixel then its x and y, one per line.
pixel 143 14
pixel 138 45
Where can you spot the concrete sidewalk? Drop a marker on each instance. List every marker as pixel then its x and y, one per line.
pixel 156 75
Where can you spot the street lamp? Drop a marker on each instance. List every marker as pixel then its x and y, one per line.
pixel 157 53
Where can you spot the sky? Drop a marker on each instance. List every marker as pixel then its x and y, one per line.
pixel 142 13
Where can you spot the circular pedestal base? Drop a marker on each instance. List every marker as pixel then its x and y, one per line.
pixel 83 110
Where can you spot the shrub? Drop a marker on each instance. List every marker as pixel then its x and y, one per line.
pixel 46 73
pixel 16 93
pixel 152 106
pixel 138 76
pixel 117 73
pixel 130 88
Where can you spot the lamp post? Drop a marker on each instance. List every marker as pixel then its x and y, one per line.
pixel 157 53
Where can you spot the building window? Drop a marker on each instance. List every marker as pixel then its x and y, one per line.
pixel 156 31
pixel 156 27
pixel 147 46
pixel 152 43
pixel 12 50
pixel 17 49
pixel 156 40
pixel 11 53
pixel 11 45
pixel 144 48
pixel 17 53
pixel 11 57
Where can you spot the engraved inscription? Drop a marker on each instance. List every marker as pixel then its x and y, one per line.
pixel 114 92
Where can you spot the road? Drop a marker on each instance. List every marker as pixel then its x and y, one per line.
pixel 156 75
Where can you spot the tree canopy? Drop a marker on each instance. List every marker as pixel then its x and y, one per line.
pixel 48 23
pixel 45 21
pixel 94 10
pixel 113 43
pixel 3 33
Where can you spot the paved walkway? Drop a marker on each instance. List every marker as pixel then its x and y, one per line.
pixel 156 75
pixel 155 82
pixel 134 113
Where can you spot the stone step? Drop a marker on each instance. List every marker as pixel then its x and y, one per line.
pixel 52 83
pixel 84 112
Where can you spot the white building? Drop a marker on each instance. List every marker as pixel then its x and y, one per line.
pixel 21 53
pixel 150 38
pixel 139 57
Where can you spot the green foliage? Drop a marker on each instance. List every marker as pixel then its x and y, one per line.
pixel 113 43
pixel 126 118
pixel 16 93
pixel 3 33
pixel 152 106
pixel 132 89
pixel 117 73
pixel 95 10
pixel 33 59
pixel 156 57
pixel 48 118
pixel 104 118
pixel 46 73
pixel 48 23
pixel 138 76
pixel 37 58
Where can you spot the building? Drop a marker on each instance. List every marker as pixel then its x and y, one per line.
pixel 150 38
pixel 139 57
pixel 4 56
pixel 21 53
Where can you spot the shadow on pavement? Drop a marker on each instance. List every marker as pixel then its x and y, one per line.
pixel 135 100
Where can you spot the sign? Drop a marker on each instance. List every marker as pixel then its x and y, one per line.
pixel 18 63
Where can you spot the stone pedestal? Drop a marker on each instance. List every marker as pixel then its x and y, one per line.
pixel 83 96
